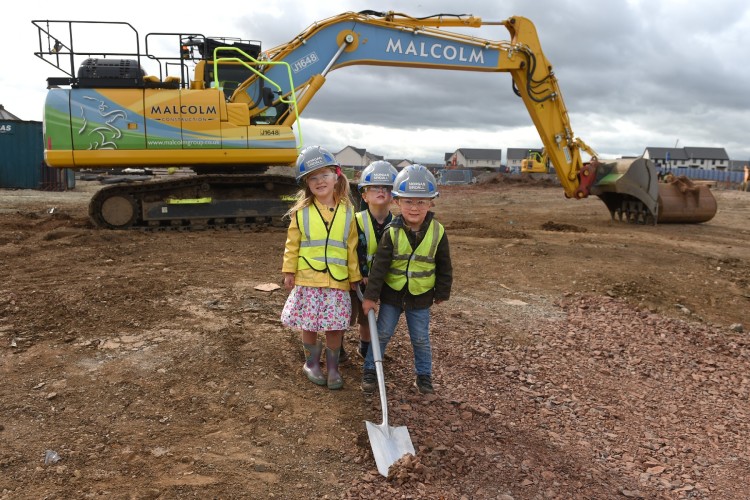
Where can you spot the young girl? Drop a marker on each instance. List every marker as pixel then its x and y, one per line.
pixel 320 262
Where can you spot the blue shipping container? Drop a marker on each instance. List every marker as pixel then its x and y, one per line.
pixel 22 159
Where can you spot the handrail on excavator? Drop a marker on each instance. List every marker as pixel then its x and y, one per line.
pixel 279 91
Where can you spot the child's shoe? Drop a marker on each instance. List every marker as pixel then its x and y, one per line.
pixel 369 381
pixel 335 381
pixel 312 363
pixel 424 384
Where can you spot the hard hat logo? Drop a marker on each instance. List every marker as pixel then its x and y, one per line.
pixel 313 163
pixel 313 158
pixel 378 173
pixel 417 186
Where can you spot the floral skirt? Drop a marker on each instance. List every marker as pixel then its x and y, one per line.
pixel 317 309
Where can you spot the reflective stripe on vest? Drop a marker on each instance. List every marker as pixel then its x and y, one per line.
pixel 415 267
pixel 321 248
pixel 365 225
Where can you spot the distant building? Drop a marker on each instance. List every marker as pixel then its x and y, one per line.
pixel 737 165
pixel 356 158
pixel 399 163
pixel 448 160
pixel 689 157
pixel 7 115
pixel 477 158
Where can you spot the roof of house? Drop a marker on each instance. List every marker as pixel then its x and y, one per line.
pixel 687 153
pixel 7 115
pixel 707 153
pixel 396 161
pixel 448 156
pixel 661 153
pixel 481 154
pixel 362 152
pixel 359 151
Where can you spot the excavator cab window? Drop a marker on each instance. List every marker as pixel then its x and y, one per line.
pixel 270 115
pixel 230 77
pixel 250 48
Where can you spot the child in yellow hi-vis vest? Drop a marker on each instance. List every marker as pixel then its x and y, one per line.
pixel 320 262
pixel 412 270
pixel 375 186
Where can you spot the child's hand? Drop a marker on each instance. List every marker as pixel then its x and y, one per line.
pixel 354 285
pixel 288 281
pixel 368 304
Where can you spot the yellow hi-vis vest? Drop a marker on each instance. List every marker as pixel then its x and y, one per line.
pixel 415 267
pixel 321 248
pixel 365 225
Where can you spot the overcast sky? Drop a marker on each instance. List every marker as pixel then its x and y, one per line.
pixel 633 73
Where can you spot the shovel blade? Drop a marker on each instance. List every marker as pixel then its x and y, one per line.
pixel 389 444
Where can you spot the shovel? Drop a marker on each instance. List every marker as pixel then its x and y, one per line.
pixel 388 443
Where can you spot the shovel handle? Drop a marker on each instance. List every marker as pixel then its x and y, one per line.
pixel 378 358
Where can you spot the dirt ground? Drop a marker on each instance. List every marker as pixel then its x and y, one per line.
pixel 577 358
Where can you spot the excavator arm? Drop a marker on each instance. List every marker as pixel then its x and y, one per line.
pixel 395 39
pixel 629 188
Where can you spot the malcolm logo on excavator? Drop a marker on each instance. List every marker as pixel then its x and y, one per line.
pixel 255 99
pixel 435 51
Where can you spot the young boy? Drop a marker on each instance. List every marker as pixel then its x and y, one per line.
pixel 375 186
pixel 411 271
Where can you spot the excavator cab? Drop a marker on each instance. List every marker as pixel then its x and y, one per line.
pixel 536 162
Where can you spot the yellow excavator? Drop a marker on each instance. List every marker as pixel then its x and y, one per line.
pixel 535 163
pixel 226 108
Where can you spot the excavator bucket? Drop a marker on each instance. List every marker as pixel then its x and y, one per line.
pixel 683 201
pixel 632 192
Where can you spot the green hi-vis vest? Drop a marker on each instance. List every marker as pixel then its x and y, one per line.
pixel 321 248
pixel 365 225
pixel 415 267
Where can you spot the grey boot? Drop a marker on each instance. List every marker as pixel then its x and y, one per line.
pixel 332 363
pixel 312 363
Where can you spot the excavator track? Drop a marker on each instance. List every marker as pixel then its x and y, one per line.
pixel 225 201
